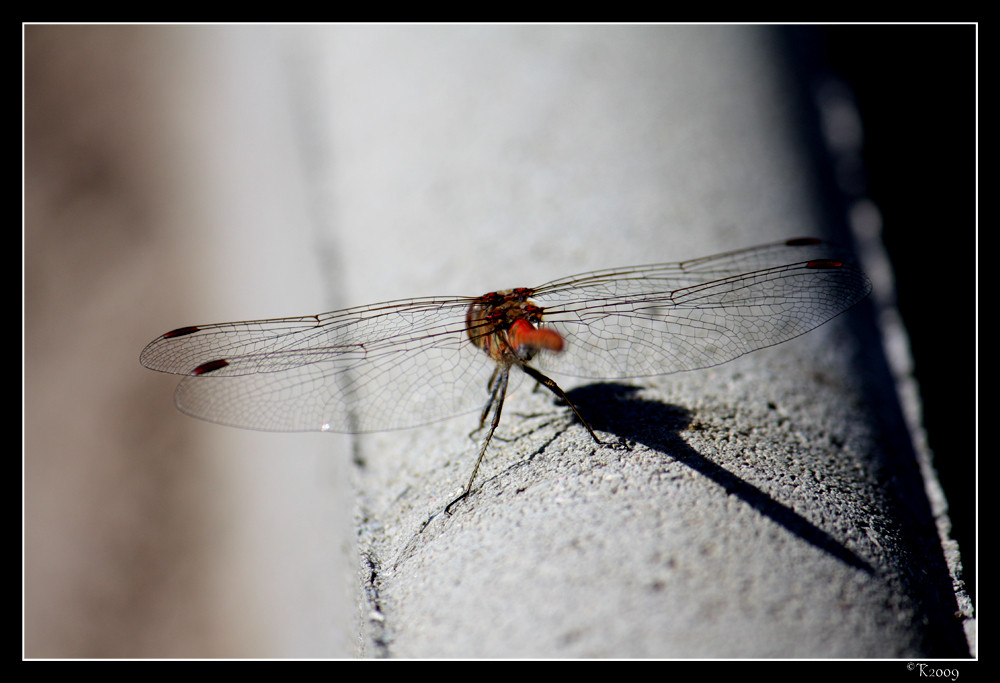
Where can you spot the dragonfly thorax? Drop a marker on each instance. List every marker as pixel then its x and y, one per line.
pixel 505 325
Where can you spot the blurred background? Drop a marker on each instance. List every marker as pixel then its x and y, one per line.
pixel 170 178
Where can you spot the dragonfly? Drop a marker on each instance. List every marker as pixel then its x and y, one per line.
pixel 410 362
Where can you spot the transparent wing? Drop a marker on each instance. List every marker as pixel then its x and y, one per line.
pixel 659 319
pixel 371 368
pixel 406 363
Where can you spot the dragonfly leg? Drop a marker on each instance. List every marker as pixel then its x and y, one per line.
pixel 555 389
pixel 496 400
pixel 491 388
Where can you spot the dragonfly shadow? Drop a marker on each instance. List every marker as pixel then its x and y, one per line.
pixel 614 408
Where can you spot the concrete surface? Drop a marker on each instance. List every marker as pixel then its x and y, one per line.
pixel 769 507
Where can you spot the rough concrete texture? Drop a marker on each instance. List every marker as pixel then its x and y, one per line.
pixel 769 507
